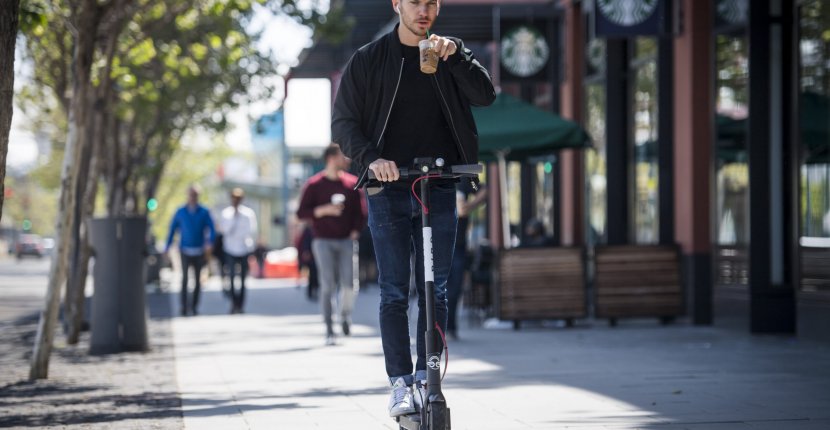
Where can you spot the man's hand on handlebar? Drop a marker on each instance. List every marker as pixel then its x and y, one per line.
pixel 385 170
pixel 382 170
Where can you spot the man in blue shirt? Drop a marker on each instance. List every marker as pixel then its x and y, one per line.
pixel 194 225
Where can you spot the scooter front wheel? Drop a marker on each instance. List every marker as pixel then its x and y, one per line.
pixel 439 418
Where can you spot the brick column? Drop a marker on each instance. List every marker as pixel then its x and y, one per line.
pixel 572 172
pixel 693 134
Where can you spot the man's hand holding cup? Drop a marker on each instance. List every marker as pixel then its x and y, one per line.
pixel 335 208
pixel 432 49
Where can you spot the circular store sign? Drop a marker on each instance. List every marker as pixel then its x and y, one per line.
pixel 733 11
pixel 627 12
pixel 524 51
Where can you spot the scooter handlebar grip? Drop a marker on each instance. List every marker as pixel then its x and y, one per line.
pixel 467 169
pixel 403 171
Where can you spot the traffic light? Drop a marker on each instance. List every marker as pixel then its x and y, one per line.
pixel 27 224
pixel 152 204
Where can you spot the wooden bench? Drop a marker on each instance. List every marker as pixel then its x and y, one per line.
pixel 732 265
pixel 815 268
pixel 540 283
pixel 637 281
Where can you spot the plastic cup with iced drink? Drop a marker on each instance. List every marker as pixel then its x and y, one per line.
pixel 429 57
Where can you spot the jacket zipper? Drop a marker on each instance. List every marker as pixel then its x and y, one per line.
pixel 454 131
pixel 452 122
pixel 385 122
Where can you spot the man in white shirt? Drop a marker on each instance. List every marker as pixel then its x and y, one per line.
pixel 239 227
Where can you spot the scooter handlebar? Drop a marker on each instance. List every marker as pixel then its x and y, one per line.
pixel 446 172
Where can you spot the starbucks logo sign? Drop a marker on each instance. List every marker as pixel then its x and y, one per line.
pixel 524 51
pixel 733 11
pixel 627 12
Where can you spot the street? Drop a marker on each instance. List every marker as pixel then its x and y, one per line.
pixel 22 286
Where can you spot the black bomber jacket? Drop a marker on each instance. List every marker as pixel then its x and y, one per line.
pixel 367 93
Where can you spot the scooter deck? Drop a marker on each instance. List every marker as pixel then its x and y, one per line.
pixel 410 422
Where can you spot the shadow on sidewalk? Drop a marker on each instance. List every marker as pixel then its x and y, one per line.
pixel 136 390
pixel 52 403
pixel 261 300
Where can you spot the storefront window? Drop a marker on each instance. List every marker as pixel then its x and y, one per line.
pixel 732 171
pixel 596 203
pixel 644 128
pixel 815 119
pixel 514 200
pixel 814 127
pixel 595 163
pixel 544 186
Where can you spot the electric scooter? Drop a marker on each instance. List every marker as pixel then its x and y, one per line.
pixel 435 414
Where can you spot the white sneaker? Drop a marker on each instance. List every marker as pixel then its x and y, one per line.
pixel 400 400
pixel 420 394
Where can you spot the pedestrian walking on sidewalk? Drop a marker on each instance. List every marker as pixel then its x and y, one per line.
pixel 336 212
pixel 239 228
pixel 388 112
pixel 196 234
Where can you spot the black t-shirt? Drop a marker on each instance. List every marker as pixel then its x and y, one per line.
pixel 417 127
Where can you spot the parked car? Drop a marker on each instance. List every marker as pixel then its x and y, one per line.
pixel 29 244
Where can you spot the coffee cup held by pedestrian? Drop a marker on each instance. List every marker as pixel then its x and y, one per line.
pixel 429 56
pixel 338 199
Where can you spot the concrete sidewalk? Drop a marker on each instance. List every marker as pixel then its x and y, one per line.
pixel 269 369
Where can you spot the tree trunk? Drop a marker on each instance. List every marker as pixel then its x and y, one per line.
pixel 87 18
pixel 104 105
pixel 79 249
pixel 113 164
pixel 9 11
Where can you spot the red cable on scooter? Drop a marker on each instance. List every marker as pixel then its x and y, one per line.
pixel 446 351
pixel 420 178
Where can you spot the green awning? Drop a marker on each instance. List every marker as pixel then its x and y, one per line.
pixel 523 130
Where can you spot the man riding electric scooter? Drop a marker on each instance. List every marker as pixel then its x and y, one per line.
pixel 389 111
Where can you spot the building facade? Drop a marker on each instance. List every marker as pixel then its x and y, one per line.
pixel 710 125
pixel 710 131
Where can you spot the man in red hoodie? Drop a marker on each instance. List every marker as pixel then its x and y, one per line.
pixel 337 215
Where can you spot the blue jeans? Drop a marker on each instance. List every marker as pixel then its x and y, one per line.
pixel 196 262
pixel 395 222
pixel 455 284
pixel 231 262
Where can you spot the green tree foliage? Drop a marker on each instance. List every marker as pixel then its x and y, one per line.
pixel 176 65
pixel 180 65
pixel 331 25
